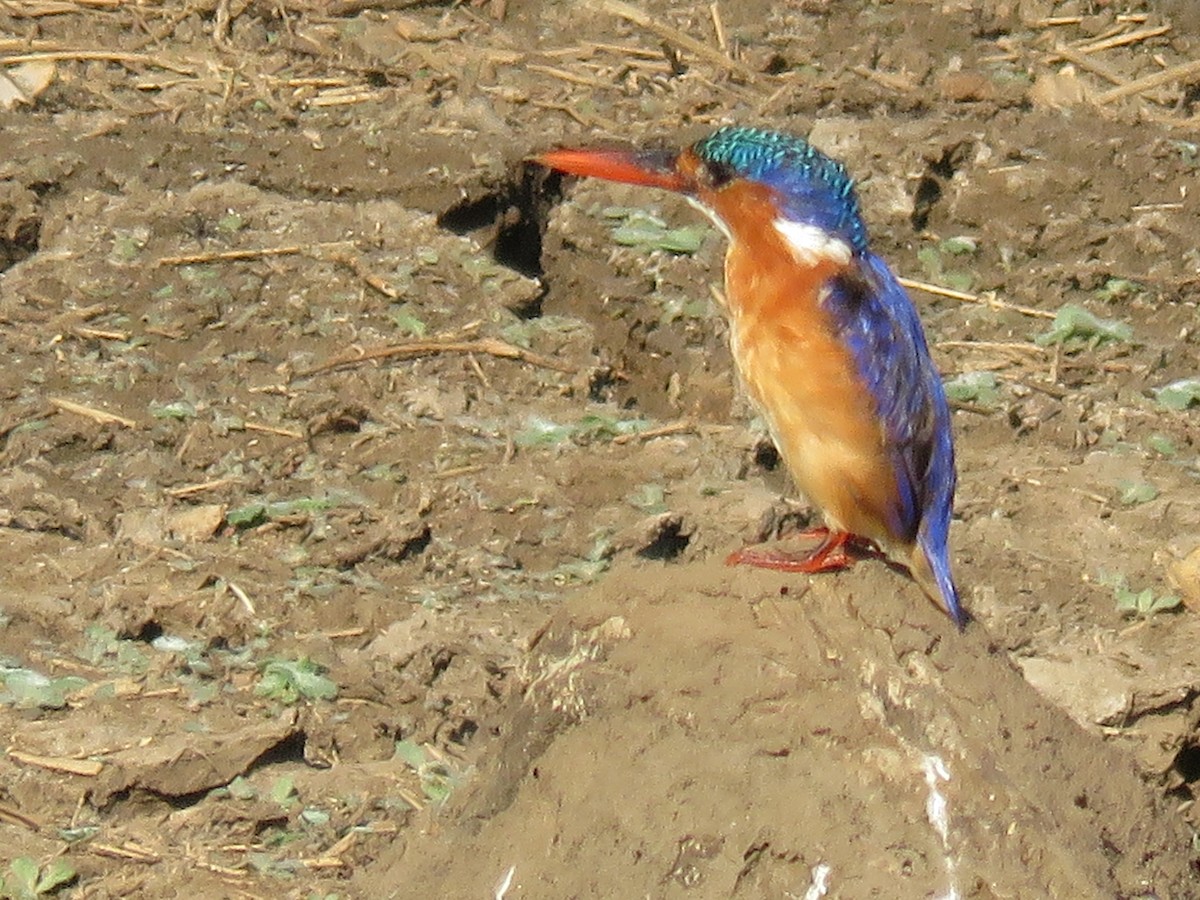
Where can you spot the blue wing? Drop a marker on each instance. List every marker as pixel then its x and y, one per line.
pixel 880 325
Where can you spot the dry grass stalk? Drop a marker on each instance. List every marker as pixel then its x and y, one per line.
pixel 893 81
pixel 128 851
pixel 1085 62
pixel 460 470
pixel 1004 346
pixel 714 10
pixel 271 429
pixel 377 282
pixel 86 767
pixel 1055 21
pixel 1141 85
pixel 570 77
pixel 678 38
pixel 323 862
pixel 1123 40
pixel 587 120
pixel 129 59
pixel 192 259
pixel 683 426
pixel 486 346
pixel 189 490
pixel 982 299
pixel 58 7
pixel 16 817
pixel 624 51
pixel 96 415
pixel 100 334
pixel 350 96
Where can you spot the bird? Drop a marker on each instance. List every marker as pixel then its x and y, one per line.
pixel 828 345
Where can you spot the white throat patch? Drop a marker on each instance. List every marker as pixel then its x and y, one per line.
pixel 716 220
pixel 811 245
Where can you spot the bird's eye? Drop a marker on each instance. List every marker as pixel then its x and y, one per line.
pixel 716 174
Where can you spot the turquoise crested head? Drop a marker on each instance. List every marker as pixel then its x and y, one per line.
pixel 809 187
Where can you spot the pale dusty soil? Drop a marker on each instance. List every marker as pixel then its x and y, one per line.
pixel 498 573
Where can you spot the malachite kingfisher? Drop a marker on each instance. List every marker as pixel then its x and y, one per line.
pixel 827 342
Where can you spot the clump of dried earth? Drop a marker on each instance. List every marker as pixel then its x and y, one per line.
pixel 364 497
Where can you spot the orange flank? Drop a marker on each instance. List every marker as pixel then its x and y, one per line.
pixel 801 376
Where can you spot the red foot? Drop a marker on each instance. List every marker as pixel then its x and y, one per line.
pixel 837 550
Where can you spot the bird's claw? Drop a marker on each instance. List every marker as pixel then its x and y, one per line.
pixel 838 550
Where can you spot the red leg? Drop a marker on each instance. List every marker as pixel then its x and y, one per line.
pixel 838 550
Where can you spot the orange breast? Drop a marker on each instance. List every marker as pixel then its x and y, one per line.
pixel 804 380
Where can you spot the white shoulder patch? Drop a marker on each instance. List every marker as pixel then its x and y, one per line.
pixel 811 245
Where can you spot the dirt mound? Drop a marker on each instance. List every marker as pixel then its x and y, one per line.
pixel 717 737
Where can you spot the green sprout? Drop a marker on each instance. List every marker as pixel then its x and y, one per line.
pixel 589 429
pixel 982 388
pixel 289 681
pixel 409 324
pixel 256 513
pixel 1137 492
pixel 438 778
pixel 27 689
pixel 283 791
pixel 1074 323
pixel 1179 395
pixel 1117 289
pixel 638 228
pixel 935 269
pixel 26 880
pixel 1143 603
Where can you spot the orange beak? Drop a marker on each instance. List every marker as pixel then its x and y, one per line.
pixel 652 168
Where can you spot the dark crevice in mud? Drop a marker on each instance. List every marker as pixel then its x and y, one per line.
pixel 20 224
pixel 1186 767
pixel 148 633
pixel 180 801
pixel 766 455
pixel 288 750
pixel 668 543
pixel 931 186
pixel 439 664
pixel 516 211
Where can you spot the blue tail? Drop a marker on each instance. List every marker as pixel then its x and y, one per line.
pixel 937 562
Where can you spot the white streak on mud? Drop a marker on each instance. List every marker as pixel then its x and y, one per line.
pixel 937 810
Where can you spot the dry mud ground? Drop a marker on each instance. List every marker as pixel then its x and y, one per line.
pixel 364 500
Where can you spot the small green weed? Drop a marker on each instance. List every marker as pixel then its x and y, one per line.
pixel 1162 445
pixel 982 388
pixel 180 410
pixel 638 228
pixel 1136 492
pixel 1115 290
pixel 27 689
pixel 1075 325
pixel 438 778
pixel 251 515
pixel 1179 395
pixel 1143 603
pixel 409 324
pixel 26 880
pixel 649 498
pixel 283 791
pixel 288 681
pixel 933 264
pixel 588 430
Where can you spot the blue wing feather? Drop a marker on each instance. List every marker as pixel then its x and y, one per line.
pixel 880 325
